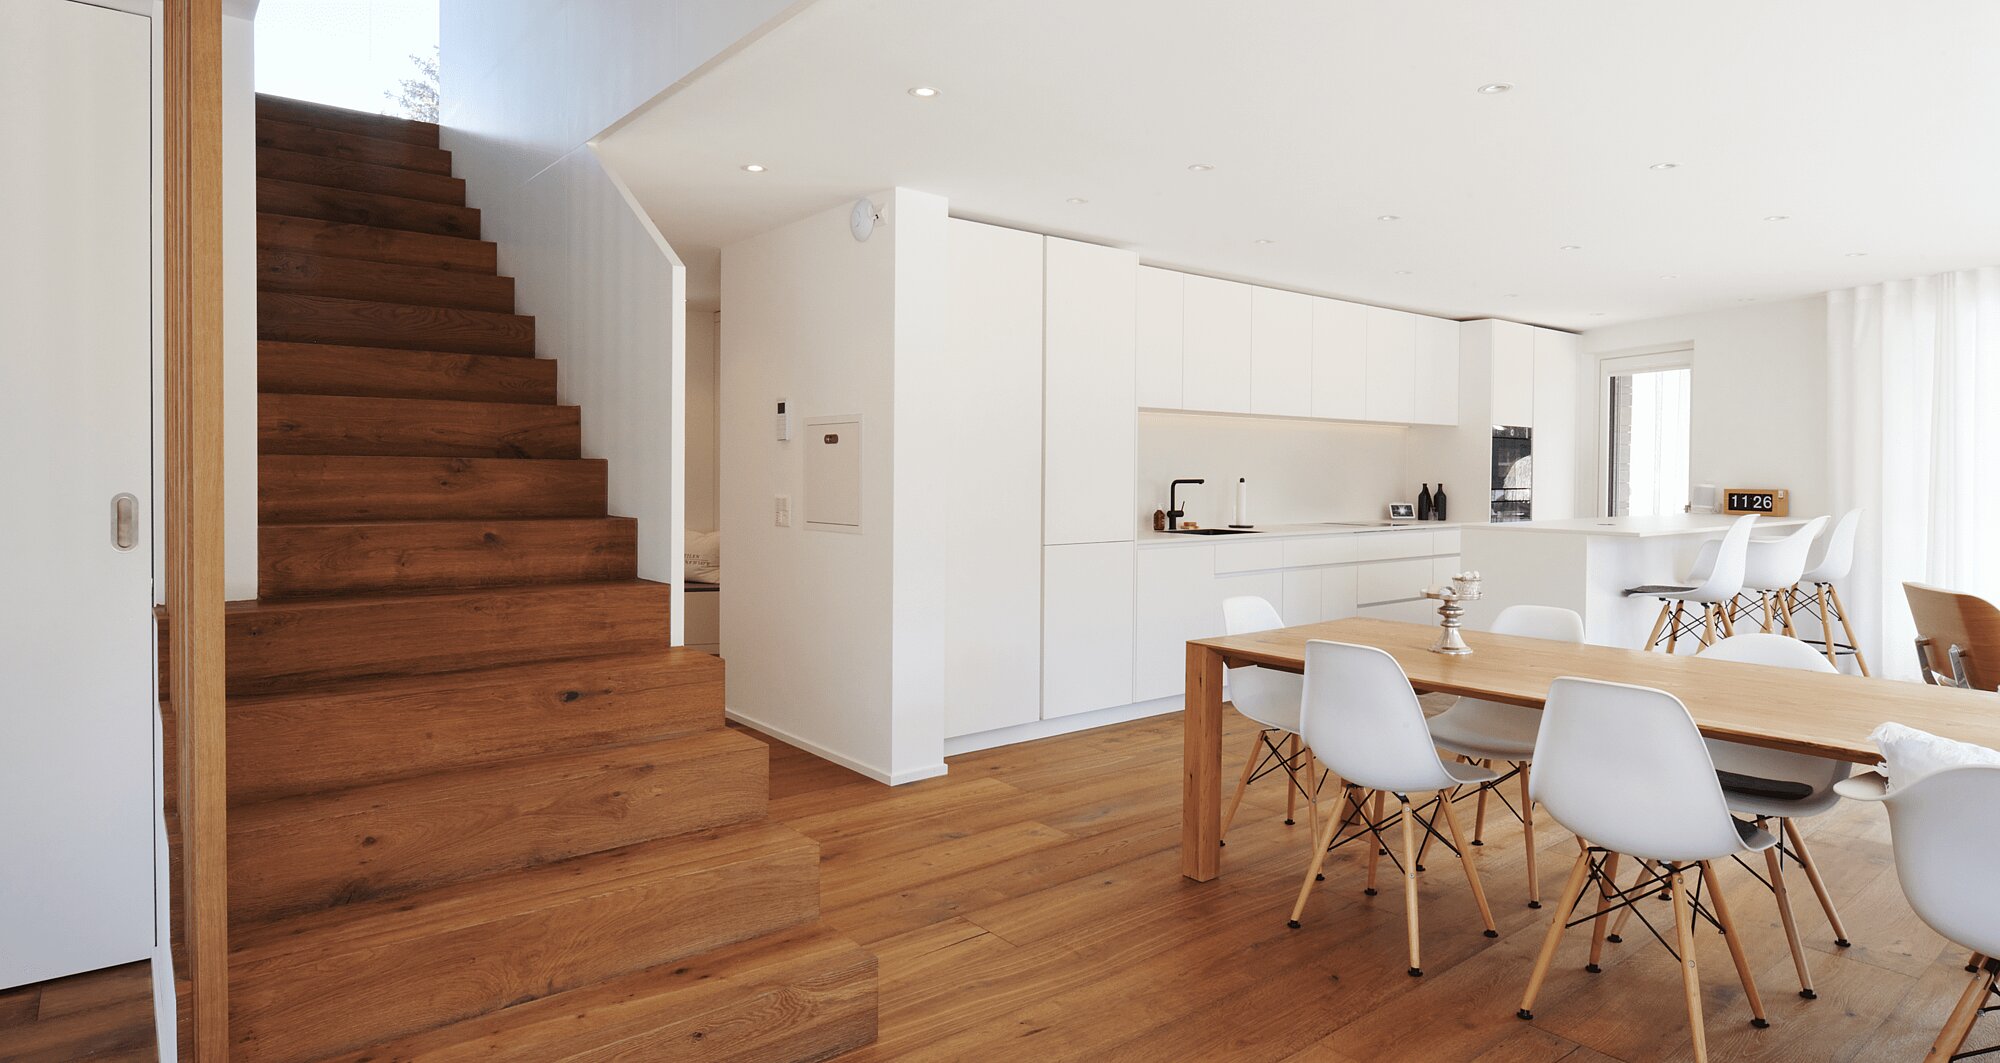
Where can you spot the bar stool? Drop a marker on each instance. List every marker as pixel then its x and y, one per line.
pixel 1270 699
pixel 1626 768
pixel 1362 718
pixel 1832 560
pixel 1485 731
pixel 1771 568
pixel 1713 590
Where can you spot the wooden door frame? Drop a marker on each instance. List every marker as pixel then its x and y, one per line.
pixel 192 212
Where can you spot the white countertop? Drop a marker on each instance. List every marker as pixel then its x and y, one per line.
pixel 1642 527
pixel 1149 537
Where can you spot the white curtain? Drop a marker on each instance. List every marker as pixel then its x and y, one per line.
pixel 1914 436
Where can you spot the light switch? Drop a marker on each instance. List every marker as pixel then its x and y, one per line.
pixel 782 511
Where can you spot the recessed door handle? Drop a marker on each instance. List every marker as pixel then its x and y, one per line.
pixel 125 521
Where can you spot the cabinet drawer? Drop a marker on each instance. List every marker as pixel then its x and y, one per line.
pixel 1332 550
pixel 1444 541
pixel 1392 581
pixel 1248 557
pixel 1382 546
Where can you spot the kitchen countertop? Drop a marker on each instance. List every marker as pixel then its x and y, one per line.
pixel 1149 537
pixel 1644 527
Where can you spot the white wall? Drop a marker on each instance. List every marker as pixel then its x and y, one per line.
pixel 704 382
pixel 1759 416
pixel 1299 471
pixel 834 640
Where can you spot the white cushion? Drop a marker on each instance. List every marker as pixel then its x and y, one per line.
pixel 1909 754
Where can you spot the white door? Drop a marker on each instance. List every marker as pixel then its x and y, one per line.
pixel 76 634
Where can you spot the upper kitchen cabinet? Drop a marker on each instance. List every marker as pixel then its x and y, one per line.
pixel 1281 352
pixel 1436 395
pixel 1556 430
pixel 1340 360
pixel 1161 338
pixel 1216 358
pixel 1392 365
pixel 1513 368
pixel 1089 392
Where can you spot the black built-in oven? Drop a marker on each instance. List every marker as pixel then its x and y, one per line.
pixel 1513 474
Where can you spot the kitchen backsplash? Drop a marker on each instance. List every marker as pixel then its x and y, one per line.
pixel 1299 471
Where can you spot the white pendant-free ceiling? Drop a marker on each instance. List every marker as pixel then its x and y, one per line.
pixel 1645 159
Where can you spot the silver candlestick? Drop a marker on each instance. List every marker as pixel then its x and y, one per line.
pixel 1463 588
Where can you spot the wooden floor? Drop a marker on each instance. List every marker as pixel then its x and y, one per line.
pixel 1029 906
pixel 103 1015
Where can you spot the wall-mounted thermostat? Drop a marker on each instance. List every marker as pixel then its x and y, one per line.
pixel 784 421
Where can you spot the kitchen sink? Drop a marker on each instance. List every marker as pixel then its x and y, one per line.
pixel 1211 531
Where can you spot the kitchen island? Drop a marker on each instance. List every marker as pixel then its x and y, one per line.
pixel 1587 563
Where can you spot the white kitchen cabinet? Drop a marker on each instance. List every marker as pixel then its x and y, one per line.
pixel 1177 596
pixel 1216 353
pixel 1387 545
pixel 1556 436
pixel 1087 627
pixel 1281 352
pixel 1392 581
pixel 1315 595
pixel 1340 360
pixel 993 571
pixel 1089 393
pixel 1436 398
pixel 1161 338
pixel 1513 368
pixel 1443 569
pixel 1392 365
pixel 1339 592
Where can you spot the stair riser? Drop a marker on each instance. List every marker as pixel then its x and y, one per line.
pixel 395 246
pixel 290 136
pixel 315 852
pixel 342 120
pixel 278 647
pixel 360 323
pixel 360 177
pixel 359 734
pixel 338 424
pixel 377 372
pixel 293 199
pixel 353 278
pixel 290 1003
pixel 314 489
pixel 304 560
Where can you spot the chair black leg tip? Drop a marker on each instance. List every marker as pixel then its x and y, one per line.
pixel 1523 1014
pixel 1614 939
pixel 1593 968
pixel 1221 842
pixel 1534 904
pixel 1491 933
pixel 1319 878
pixel 1420 869
pixel 1476 841
pixel 1761 1024
pixel 1416 972
pixel 1293 923
pixel 1291 823
pixel 1843 942
pixel 1370 891
pixel 1808 994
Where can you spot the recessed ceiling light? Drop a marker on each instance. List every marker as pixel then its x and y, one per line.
pixel 1076 199
pixel 751 167
pixel 1388 217
pixel 1777 217
pixel 1569 247
pixel 1747 299
pixel 1260 240
pixel 1599 313
pixel 1510 295
pixel 1494 88
pixel 923 92
pixel 1670 276
pixel 1857 254
pixel 1200 167
pixel 1403 272
pixel 1664 166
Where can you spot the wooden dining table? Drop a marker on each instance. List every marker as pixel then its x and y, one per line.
pixel 1823 714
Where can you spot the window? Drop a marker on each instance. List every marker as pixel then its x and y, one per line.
pixel 1647 408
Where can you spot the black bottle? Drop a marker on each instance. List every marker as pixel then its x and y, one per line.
pixel 1424 503
pixel 1437 504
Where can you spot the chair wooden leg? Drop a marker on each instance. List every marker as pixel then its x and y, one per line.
pixel 1618 924
pixel 1572 892
pixel 1764 605
pixel 1735 941
pixel 1787 605
pixel 1973 963
pixel 1818 884
pixel 1312 871
pixel 1606 886
pixel 1826 625
pixel 1774 865
pixel 1471 872
pixel 1528 837
pixel 1243 781
pixel 1375 846
pixel 1852 640
pixel 1410 883
pixel 1708 625
pixel 1728 622
pixel 1690 977
pixel 1292 793
pixel 1653 640
pixel 1952 1037
pixel 1479 811
pixel 1311 786
pixel 1674 628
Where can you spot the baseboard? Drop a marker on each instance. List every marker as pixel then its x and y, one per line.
pixel 1061 725
pixel 909 775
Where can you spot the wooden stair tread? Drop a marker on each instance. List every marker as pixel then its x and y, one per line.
pixel 806 993
pixel 314 851
pixel 315 488
pixel 295 560
pixel 310 273
pixel 360 176
pixel 329 203
pixel 338 979
pixel 388 372
pixel 354 147
pixel 347 120
pixel 342 424
pixel 372 323
pixel 375 244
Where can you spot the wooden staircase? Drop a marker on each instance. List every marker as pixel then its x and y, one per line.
pixel 479 807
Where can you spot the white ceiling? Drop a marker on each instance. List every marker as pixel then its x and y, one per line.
pixel 1869 125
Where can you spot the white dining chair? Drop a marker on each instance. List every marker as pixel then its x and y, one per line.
pixel 1940 827
pixel 1626 770
pixel 1270 699
pixel 1771 568
pixel 1361 718
pixel 1818 592
pixel 1713 585
pixel 1486 731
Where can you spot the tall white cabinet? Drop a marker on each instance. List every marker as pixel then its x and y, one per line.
pixel 1557 431
pixel 1162 329
pixel 1089 396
